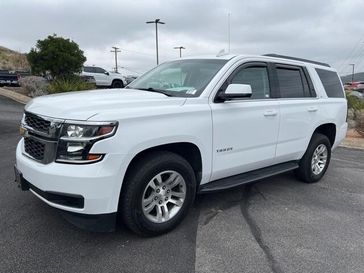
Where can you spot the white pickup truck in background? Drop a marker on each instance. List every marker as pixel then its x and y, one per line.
pixel 104 78
pixel 188 126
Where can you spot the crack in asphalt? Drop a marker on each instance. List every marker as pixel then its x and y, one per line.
pixel 254 228
pixel 214 212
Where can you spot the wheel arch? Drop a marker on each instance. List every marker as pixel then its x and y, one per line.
pixel 117 80
pixel 327 129
pixel 188 150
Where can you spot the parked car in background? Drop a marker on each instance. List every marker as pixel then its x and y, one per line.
pixel 89 79
pixel 8 78
pixel 356 94
pixel 130 78
pixel 359 87
pixel 350 85
pixel 104 78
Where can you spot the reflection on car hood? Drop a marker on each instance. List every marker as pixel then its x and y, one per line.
pixel 84 104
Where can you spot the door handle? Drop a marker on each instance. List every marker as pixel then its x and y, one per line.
pixel 270 113
pixel 312 109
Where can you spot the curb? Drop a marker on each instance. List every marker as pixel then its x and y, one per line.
pixel 14 96
pixel 353 143
pixel 351 146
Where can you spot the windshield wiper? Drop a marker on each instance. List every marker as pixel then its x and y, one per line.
pixel 151 89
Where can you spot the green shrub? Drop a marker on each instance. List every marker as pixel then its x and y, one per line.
pixel 355 103
pixel 69 84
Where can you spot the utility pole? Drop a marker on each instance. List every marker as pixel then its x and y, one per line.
pixel 180 50
pixel 116 50
pixel 353 72
pixel 156 22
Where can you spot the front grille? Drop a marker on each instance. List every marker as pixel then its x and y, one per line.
pixel 37 123
pixel 34 148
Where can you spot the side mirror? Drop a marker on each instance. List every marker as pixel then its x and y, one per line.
pixel 236 91
pixel 106 73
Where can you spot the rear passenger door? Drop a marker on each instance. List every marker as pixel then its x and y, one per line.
pixel 298 108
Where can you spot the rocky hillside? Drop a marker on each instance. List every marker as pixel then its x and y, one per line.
pixel 12 60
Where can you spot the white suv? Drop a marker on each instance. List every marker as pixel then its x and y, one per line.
pixel 189 126
pixel 104 78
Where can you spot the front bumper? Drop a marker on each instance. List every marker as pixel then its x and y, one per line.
pixel 97 184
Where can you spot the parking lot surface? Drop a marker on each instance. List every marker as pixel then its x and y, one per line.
pixel 276 225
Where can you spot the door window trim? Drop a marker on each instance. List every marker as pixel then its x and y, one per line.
pixel 305 77
pixel 272 89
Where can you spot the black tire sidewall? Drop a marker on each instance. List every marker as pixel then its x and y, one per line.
pixel 317 140
pixel 141 178
pixel 117 84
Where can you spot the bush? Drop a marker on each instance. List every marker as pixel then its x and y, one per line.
pixel 355 103
pixel 69 84
pixel 34 86
pixel 359 120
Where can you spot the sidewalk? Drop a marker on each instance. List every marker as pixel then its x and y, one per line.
pixel 14 96
pixel 353 140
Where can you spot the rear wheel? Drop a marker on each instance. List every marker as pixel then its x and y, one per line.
pixel 315 161
pixel 157 194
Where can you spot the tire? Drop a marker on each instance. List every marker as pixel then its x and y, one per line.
pixel 117 84
pixel 136 188
pixel 306 172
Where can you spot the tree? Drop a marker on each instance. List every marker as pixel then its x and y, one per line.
pixel 56 55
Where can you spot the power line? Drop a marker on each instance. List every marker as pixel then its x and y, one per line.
pixel 137 52
pixel 350 54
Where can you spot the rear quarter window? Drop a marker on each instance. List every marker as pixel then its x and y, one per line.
pixel 331 82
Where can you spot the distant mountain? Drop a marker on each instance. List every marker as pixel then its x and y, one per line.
pixel 358 77
pixel 12 60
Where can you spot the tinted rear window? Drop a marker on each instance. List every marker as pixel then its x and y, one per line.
pixel 331 83
pixel 290 83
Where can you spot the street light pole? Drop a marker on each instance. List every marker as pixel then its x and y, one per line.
pixel 180 50
pixel 156 22
pixel 353 72
pixel 116 50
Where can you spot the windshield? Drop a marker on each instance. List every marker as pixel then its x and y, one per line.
pixel 182 78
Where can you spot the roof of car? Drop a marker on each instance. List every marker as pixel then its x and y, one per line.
pixel 284 58
pixel 271 57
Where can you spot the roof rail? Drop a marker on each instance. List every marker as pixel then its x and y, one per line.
pixel 294 58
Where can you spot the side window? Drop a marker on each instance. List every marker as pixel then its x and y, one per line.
pixel 292 82
pixel 257 77
pixel 99 70
pixel 331 83
pixel 88 69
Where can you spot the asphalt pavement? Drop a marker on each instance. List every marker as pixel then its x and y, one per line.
pixel 277 225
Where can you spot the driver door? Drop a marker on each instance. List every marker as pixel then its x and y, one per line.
pixel 245 131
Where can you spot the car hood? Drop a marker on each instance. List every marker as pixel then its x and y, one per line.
pixel 83 105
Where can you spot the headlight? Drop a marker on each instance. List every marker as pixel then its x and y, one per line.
pixel 76 141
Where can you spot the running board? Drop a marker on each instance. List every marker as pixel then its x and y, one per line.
pixel 244 178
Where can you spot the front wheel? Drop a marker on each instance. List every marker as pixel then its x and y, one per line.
pixel 117 84
pixel 157 194
pixel 315 161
